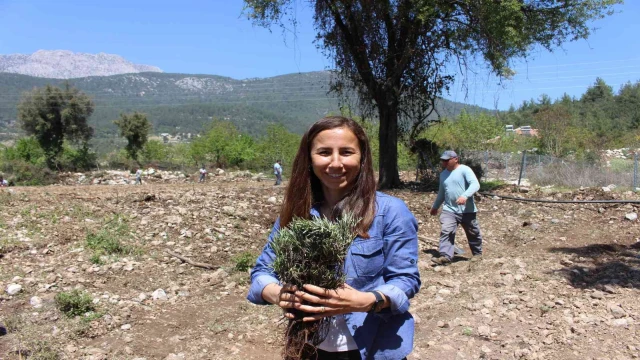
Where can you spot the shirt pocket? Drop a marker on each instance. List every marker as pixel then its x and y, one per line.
pixel 367 256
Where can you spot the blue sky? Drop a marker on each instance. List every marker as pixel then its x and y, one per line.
pixel 212 37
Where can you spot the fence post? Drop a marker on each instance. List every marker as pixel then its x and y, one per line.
pixel 522 166
pixel 506 167
pixel 635 171
pixel 486 162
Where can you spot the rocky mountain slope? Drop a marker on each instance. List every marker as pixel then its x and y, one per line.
pixel 189 101
pixel 64 64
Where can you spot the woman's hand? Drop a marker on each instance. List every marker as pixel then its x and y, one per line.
pixel 283 296
pixel 320 302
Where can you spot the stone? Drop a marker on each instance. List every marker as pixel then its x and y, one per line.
pixel 159 294
pixel 272 200
pixel 620 322
pixel 13 289
pixel 484 331
pixel 617 311
pixel 172 356
pixel 126 327
pixel 36 302
pixel 228 210
pixel 631 216
pixel 597 295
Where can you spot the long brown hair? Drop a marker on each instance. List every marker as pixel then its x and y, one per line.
pixel 305 189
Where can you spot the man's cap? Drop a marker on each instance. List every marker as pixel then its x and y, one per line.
pixel 449 154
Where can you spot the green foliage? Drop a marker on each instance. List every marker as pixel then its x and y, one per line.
pixel 135 128
pixel 74 303
pixel 467 131
pixel 277 144
pixel 108 241
pixel 154 151
pixel 400 63
pixel 621 165
pixel 313 251
pixel 77 158
pixel 223 145
pixel 25 149
pixel 24 173
pixel 491 185
pixel 52 115
pixel 243 261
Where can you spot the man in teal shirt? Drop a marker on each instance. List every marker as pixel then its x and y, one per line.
pixel 458 183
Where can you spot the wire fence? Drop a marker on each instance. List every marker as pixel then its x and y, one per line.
pixel 525 168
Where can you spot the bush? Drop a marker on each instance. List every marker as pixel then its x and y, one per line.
pixel 77 159
pixel 107 241
pixel 244 261
pixel 74 303
pixel 19 172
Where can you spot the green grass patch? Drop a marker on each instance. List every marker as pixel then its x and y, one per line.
pixel 74 303
pixel 491 185
pixel 621 165
pixel 108 241
pixel 467 331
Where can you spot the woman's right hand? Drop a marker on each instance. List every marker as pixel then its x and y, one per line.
pixel 283 296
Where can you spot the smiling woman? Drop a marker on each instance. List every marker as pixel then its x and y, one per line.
pixel 332 175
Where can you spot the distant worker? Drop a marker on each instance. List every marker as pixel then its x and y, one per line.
pixel 203 174
pixel 458 183
pixel 139 177
pixel 3 182
pixel 277 170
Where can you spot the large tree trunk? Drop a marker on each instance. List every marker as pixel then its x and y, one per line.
pixel 388 137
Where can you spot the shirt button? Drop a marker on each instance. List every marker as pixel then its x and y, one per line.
pixel 412 261
pixel 354 327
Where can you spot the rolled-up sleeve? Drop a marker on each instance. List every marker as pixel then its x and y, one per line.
pixel 262 274
pixel 401 275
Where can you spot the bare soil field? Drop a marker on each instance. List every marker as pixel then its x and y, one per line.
pixel 558 281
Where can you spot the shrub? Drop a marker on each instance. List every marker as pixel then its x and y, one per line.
pixel 107 240
pixel 76 159
pixel 24 173
pixel 244 261
pixel 74 303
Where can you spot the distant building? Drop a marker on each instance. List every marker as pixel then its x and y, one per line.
pixel 526 130
pixel 508 129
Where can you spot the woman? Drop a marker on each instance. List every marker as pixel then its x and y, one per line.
pixel 331 174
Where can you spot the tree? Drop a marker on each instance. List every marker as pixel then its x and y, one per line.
pixel 223 145
pixel 397 54
pixel 135 128
pixel 52 114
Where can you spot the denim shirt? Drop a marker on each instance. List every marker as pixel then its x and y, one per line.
pixel 386 262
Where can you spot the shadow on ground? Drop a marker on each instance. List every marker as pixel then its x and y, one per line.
pixel 598 265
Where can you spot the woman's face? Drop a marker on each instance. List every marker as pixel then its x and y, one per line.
pixel 335 158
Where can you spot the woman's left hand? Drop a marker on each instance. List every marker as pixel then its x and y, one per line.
pixel 324 302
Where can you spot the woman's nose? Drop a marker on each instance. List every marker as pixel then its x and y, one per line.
pixel 335 161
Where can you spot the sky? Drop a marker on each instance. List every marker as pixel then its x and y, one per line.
pixel 214 37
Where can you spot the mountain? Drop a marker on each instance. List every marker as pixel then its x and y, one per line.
pixel 185 102
pixel 63 64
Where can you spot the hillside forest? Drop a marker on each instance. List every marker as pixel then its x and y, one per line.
pixel 576 128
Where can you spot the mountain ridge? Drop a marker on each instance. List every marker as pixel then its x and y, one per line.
pixel 65 64
pixel 185 102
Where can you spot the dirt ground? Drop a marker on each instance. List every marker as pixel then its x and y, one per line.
pixel 558 281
